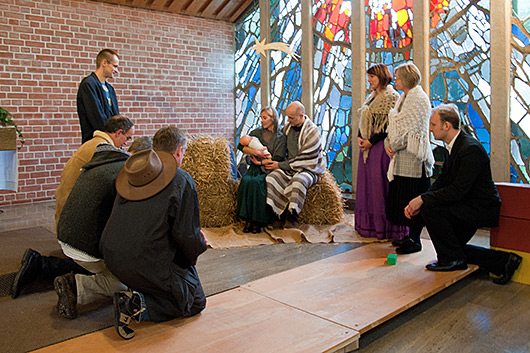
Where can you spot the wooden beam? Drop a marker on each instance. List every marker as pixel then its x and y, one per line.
pixel 158 4
pixel 228 9
pixel 421 44
pixel 178 5
pixel 358 74
pixel 265 61
pixel 240 10
pixel 195 7
pixel 500 90
pixel 140 3
pixel 212 8
pixel 307 59
pixel 122 2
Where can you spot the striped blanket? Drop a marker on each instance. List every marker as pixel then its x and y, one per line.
pixel 287 190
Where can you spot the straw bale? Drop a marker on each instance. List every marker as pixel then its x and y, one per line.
pixel 208 161
pixel 323 203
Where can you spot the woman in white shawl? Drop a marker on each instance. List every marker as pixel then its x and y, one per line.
pixel 409 149
pixel 372 183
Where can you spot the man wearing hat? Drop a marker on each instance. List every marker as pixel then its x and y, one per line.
pixel 153 237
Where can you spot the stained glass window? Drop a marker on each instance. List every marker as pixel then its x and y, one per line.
pixel 520 93
pixel 389 32
pixel 332 84
pixel 247 72
pixel 460 64
pixel 286 72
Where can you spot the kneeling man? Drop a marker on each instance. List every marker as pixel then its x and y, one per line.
pixel 153 238
pixel 463 199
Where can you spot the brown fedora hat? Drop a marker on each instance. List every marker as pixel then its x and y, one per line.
pixel 145 174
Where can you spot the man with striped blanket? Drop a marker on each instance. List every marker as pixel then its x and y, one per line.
pixel 289 180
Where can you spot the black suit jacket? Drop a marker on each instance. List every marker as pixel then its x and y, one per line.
pixel 466 185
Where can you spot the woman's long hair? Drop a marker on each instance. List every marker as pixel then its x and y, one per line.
pixel 272 112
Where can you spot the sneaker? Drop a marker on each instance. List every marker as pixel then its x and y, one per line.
pixel 127 305
pixel 66 290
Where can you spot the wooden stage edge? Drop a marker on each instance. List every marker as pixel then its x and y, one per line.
pixel 323 306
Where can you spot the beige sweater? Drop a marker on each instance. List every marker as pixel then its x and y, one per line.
pixel 72 169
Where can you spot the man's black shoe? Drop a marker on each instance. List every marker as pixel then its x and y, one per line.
pixel 30 269
pixel 66 290
pixel 400 242
pixel 408 247
pixel 447 266
pixel 511 265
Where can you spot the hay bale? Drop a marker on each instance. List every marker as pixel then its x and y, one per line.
pixel 208 161
pixel 323 203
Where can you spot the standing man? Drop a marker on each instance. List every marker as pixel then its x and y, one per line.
pixel 118 130
pixel 289 180
pixel 153 237
pixel 461 200
pixel 96 98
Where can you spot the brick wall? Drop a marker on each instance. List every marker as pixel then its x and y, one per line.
pixel 173 70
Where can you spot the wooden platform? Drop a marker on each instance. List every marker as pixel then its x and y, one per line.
pixel 357 288
pixel 234 321
pixel 320 307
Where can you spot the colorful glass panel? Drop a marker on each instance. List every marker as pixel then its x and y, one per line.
pixel 332 84
pixel 460 64
pixel 286 72
pixel 247 74
pixel 520 93
pixel 389 32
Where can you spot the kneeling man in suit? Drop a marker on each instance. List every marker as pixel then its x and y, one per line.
pixel 463 199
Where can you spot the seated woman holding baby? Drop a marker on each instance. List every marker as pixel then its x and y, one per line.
pixel 261 143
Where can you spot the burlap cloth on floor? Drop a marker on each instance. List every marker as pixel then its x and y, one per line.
pixel 232 236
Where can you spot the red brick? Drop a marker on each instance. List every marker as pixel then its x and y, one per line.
pixel 187 78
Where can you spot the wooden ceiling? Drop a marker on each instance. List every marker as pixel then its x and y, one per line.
pixel 224 10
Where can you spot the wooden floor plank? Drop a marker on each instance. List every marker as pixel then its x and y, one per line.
pixel 357 288
pixel 234 321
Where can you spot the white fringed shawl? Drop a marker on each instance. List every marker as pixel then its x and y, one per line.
pixel 410 127
pixel 374 115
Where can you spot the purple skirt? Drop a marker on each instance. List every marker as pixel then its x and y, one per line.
pixel 372 192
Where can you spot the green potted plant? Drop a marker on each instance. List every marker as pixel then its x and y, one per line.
pixel 7 122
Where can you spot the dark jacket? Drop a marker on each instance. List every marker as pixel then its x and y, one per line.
pixel 89 204
pixel 466 182
pixel 93 107
pixel 152 246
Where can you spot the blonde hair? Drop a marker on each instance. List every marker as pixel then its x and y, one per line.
pixel 409 74
pixel 274 114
